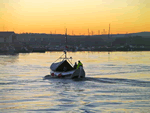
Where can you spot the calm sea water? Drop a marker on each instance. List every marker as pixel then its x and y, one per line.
pixel 115 82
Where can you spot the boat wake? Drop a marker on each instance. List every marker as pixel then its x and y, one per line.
pixel 131 82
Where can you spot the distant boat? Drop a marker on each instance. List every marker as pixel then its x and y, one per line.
pixel 65 69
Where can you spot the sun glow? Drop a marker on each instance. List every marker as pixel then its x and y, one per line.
pixel 45 16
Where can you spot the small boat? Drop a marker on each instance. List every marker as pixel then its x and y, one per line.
pixel 64 68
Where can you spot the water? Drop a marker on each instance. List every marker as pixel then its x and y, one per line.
pixel 115 82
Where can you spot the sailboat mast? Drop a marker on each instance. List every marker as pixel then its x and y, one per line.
pixel 66 36
pixel 109 31
pixel 66 44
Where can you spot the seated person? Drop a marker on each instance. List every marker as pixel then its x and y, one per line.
pixel 65 69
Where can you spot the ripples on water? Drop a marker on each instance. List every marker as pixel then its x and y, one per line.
pixel 115 82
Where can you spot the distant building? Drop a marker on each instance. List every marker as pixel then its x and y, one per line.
pixel 7 37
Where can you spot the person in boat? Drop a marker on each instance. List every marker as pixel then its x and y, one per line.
pixel 65 69
pixel 75 66
pixel 79 64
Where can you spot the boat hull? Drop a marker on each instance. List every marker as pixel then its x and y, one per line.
pixel 77 73
pixel 56 73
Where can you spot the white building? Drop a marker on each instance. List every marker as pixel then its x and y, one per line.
pixel 7 37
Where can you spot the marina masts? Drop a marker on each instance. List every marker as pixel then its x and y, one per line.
pixel 66 36
pixel 109 31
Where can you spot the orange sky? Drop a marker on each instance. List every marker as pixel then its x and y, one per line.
pixel 45 16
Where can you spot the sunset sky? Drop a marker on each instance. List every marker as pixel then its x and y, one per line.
pixel 45 16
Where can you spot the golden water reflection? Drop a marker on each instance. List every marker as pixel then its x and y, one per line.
pixel 116 82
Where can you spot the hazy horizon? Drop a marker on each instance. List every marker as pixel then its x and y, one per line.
pixel 77 34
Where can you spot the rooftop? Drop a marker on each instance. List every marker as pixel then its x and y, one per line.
pixel 5 34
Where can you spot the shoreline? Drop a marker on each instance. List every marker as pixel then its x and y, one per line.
pixel 15 53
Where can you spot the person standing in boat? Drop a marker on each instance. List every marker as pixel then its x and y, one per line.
pixel 75 66
pixel 79 64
